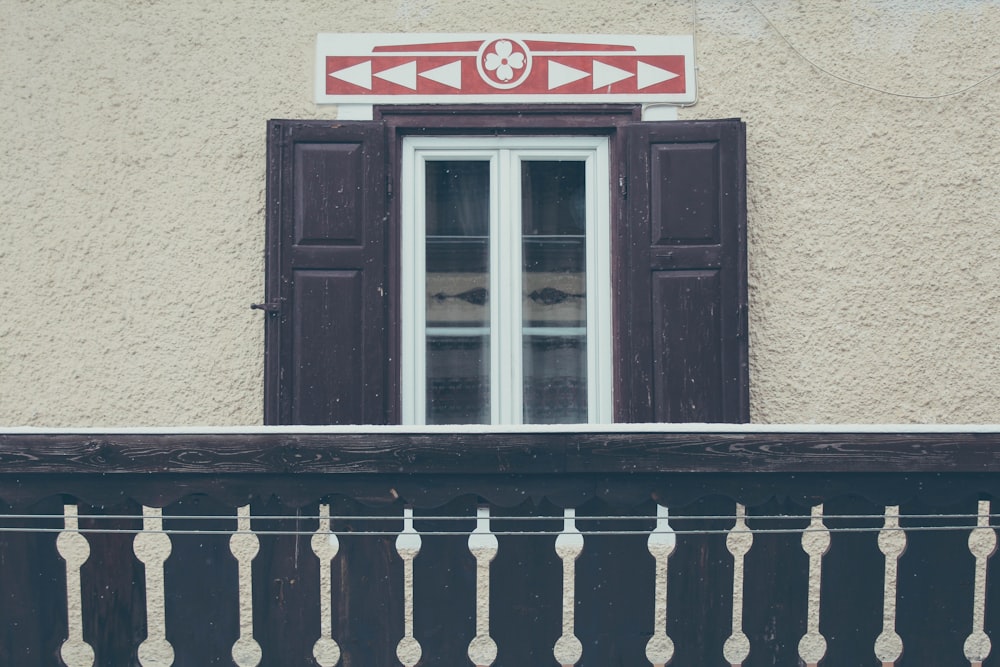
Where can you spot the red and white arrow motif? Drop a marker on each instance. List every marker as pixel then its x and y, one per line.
pixel 449 75
pixel 492 66
pixel 356 75
pixel 650 75
pixel 604 75
pixel 560 75
pixel 403 75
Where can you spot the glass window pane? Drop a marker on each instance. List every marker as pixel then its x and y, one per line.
pixel 555 390
pixel 458 379
pixel 554 292
pixel 457 292
pixel 458 198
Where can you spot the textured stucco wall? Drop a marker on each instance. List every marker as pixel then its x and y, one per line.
pixel 132 194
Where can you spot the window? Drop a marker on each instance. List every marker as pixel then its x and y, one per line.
pixel 506 280
pixel 463 265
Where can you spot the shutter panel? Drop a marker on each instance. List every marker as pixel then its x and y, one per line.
pixel 327 347
pixel 684 290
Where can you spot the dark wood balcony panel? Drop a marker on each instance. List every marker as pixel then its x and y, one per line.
pixel 851 612
pixel 431 467
pixel 33 620
pixel 616 481
pixel 925 598
pixel 563 490
pixel 430 491
pixel 113 585
pixel 423 451
pixel 202 624
pixel 775 585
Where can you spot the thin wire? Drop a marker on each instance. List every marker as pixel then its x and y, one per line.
pixel 500 533
pixel 865 85
pixel 493 518
pixel 694 51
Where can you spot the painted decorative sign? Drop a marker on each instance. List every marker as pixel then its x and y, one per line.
pixel 375 68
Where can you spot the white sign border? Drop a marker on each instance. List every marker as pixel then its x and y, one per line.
pixel 360 44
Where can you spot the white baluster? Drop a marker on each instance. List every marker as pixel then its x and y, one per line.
pixel 661 544
pixel 891 542
pixel 738 542
pixel 569 546
pixel 484 546
pixel 815 542
pixel 982 544
pixel 244 546
pixel 75 550
pixel 408 546
pixel 325 545
pixel 152 547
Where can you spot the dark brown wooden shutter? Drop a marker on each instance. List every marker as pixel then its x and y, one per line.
pixel 327 351
pixel 683 290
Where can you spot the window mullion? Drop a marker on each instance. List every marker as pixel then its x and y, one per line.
pixel 599 316
pixel 514 286
pixel 413 305
pixel 497 360
pixel 507 279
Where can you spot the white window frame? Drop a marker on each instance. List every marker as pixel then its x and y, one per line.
pixel 505 155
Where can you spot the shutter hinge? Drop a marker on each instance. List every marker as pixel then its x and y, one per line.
pixel 622 186
pixel 741 321
pixel 388 187
pixel 272 307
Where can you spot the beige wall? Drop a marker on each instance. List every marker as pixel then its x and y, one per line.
pixel 132 194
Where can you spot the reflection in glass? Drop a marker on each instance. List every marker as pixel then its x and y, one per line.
pixel 458 382
pixel 457 292
pixel 554 294
pixel 556 390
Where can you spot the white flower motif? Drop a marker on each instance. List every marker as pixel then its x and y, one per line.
pixel 504 60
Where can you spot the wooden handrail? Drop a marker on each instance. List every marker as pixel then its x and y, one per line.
pixel 521 451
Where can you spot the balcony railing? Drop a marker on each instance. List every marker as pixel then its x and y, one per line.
pixel 625 545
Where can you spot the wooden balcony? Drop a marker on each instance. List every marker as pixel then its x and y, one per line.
pixel 626 545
